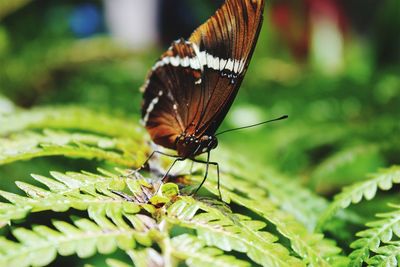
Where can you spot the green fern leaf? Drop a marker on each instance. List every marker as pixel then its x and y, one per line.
pixel 286 193
pixel 74 118
pixel 231 232
pixel 39 246
pixel 10 212
pixel 379 232
pixel 383 180
pixel 146 257
pixel 313 248
pixel 195 253
pixel 85 191
pixel 388 256
pixel 31 145
pixel 72 190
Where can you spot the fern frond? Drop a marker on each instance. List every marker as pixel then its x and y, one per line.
pixel 30 145
pixel 313 248
pixel 383 180
pixel 229 231
pixel 72 190
pixel 70 118
pixel 286 193
pixel 195 253
pixel 93 193
pixel 387 256
pixel 222 229
pixel 292 197
pixel 381 231
pixel 39 246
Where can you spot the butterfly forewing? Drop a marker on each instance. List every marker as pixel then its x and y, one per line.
pixel 226 43
pixel 191 88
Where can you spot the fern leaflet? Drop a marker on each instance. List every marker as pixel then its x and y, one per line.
pixel 379 232
pixel 388 255
pixel 383 180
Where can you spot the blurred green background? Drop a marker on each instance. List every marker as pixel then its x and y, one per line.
pixel 332 66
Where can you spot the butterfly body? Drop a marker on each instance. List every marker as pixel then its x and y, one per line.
pixel 190 146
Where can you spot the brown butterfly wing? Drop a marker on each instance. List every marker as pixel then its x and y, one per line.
pixel 226 43
pixel 170 93
pixel 191 87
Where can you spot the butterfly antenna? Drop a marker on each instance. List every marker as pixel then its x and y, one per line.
pixel 253 125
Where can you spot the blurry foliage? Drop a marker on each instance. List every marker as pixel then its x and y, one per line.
pixel 7 7
pixel 320 189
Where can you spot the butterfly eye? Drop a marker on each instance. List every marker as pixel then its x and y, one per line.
pixel 214 143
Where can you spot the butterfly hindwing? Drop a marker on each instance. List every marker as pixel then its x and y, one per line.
pixel 172 93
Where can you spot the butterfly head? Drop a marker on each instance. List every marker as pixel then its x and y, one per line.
pixel 190 146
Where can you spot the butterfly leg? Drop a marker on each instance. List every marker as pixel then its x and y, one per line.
pixel 191 168
pixel 170 168
pixel 208 162
pixel 218 181
pixel 151 156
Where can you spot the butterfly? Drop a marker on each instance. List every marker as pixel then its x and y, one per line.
pixel 190 89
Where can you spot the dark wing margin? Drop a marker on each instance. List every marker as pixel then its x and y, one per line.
pixel 171 88
pixel 226 43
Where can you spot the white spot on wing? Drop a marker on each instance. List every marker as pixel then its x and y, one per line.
pixel 201 60
pixel 223 63
pixel 194 63
pixel 145 85
pixel 185 62
pixel 175 61
pixel 236 66
pixel 151 106
pixel 229 65
pixel 200 57
pixel 170 96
